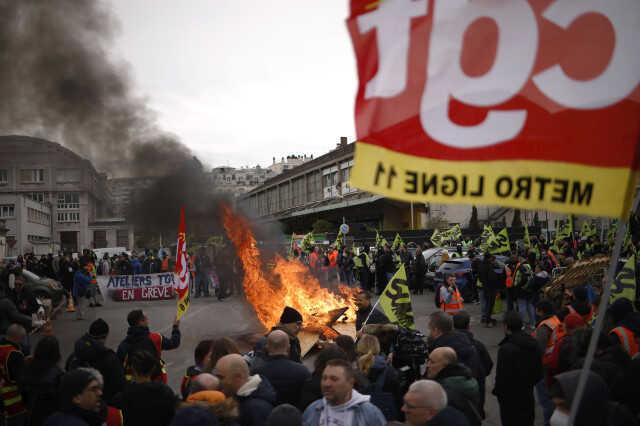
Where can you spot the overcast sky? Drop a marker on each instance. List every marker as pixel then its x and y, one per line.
pixel 241 81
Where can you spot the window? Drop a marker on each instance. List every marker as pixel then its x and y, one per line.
pixel 68 217
pixel 67 175
pixel 7 210
pixel 36 216
pixel 32 175
pixel 38 239
pixel 40 197
pixel 100 239
pixel 68 200
pixel 4 177
pixel 122 238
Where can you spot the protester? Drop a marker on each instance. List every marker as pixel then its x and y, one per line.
pixel 287 377
pixel 194 416
pixel 462 388
pixel 419 272
pixel 285 415
pixel 518 369
pixel 384 381
pixel 41 379
pixel 425 404
pixel 311 390
pixel 202 358
pixel 462 324
pixel 341 403
pixel 366 314
pixel 139 338
pixel 626 330
pixel 80 400
pixel 90 351
pixel 450 299
pixel 491 283
pixel 205 387
pixel 255 395
pixel 81 289
pixel 290 323
pixel 14 411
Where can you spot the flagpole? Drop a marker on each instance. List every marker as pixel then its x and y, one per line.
pixel 597 329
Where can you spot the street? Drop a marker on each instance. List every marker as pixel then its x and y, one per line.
pixel 210 318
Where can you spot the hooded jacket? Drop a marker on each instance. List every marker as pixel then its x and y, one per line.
pixel 287 378
pixel 256 399
pixel 358 408
pixel 90 352
pixel 519 367
pixel 462 389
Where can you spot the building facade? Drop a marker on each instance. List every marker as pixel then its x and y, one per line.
pixel 320 189
pixel 49 192
pixel 123 190
pixel 237 181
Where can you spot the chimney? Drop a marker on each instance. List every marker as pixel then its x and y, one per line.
pixel 343 141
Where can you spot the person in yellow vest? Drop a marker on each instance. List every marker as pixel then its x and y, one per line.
pixel 14 411
pixel 451 301
pixel 626 330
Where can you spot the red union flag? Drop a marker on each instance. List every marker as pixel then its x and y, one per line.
pixel 531 104
pixel 182 268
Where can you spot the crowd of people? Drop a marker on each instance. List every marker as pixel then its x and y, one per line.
pixel 387 375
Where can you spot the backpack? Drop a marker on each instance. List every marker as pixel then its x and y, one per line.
pixel 385 401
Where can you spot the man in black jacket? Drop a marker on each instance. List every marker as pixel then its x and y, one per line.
pixel 290 323
pixel 442 334
pixel 491 282
pixel 366 313
pixel 419 271
pixel 462 324
pixel 519 369
pixel 90 351
pixel 287 377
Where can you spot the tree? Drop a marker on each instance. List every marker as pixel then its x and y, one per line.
pixel 474 225
pixel 321 226
pixel 517 220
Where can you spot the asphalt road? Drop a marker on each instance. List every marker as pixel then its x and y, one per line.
pixel 234 317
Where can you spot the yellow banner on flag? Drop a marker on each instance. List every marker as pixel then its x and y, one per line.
pixel 499 243
pixel 395 300
pixel 625 283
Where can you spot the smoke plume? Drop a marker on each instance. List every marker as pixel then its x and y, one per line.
pixel 58 82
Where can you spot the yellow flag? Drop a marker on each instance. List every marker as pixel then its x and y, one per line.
pixel 625 283
pixel 395 300
pixel 499 243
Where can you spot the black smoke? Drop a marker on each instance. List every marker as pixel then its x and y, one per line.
pixel 58 81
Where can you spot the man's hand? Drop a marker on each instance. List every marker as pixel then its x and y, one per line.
pixel 176 323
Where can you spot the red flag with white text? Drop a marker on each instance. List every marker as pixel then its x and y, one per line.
pixel 182 268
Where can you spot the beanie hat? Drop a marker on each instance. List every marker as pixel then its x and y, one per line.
pixel 573 321
pixel 194 416
pixel 210 396
pixel 73 384
pixel 99 329
pixel 619 309
pixel 290 315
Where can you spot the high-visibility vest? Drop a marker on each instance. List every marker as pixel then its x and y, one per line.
pixel 9 392
pixel 92 272
pixel 509 279
pixel 454 305
pixel 357 262
pixel 164 266
pixel 627 340
pixel 156 339
pixel 557 332
pixel 333 259
pixel 313 260
pixel 587 318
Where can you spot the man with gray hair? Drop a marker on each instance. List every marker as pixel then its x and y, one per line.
pixel 425 404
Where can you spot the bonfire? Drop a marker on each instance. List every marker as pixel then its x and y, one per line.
pixel 289 283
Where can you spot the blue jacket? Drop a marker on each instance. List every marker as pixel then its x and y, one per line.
pixel 81 282
pixel 364 412
pixel 137 266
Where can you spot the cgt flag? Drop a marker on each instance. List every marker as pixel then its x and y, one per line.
pixel 395 300
pixel 499 243
pixel 182 269
pixel 519 103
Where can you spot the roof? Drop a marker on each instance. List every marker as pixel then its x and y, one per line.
pixel 335 154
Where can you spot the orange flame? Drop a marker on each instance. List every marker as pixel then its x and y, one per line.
pixel 289 284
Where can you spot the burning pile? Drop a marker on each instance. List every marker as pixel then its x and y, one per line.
pixel 289 283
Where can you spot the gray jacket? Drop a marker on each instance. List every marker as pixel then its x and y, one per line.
pixel 364 412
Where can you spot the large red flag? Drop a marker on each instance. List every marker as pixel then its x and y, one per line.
pixel 520 103
pixel 182 268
